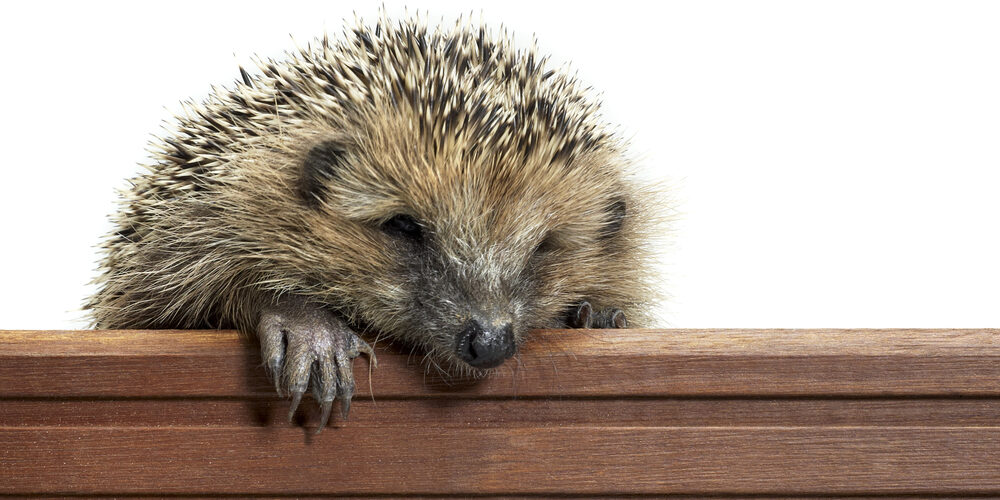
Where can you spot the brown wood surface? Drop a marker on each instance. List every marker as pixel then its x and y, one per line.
pixel 640 412
pixel 595 363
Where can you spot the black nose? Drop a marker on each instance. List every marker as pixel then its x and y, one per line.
pixel 485 347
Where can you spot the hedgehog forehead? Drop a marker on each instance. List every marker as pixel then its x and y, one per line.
pixel 511 206
pixel 473 198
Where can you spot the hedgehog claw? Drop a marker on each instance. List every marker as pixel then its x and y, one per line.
pixel 583 316
pixel 345 407
pixel 326 407
pixel 296 399
pixel 618 319
pixel 610 318
pixel 346 385
pixel 306 347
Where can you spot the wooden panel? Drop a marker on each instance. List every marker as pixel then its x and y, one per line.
pixel 571 459
pixel 595 364
pixel 520 412
pixel 730 413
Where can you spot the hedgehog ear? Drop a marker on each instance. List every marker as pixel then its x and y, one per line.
pixel 322 164
pixel 615 218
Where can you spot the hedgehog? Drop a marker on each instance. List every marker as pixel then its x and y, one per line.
pixel 438 187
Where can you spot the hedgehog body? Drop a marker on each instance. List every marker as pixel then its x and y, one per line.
pixel 438 187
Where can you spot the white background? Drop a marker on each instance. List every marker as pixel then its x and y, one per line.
pixel 834 164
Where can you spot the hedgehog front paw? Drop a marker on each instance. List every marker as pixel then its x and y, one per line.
pixel 306 347
pixel 583 316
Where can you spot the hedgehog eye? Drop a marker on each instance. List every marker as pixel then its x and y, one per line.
pixel 615 220
pixel 404 226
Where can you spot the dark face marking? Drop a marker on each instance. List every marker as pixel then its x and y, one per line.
pixel 321 165
pixel 615 220
pixel 547 245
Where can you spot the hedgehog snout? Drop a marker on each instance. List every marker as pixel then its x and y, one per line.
pixel 485 346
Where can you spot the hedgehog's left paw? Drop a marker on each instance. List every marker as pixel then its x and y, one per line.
pixel 583 316
pixel 307 347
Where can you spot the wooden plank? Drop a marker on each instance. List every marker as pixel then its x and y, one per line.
pixel 643 460
pixel 525 497
pixel 649 363
pixel 582 413
pixel 441 413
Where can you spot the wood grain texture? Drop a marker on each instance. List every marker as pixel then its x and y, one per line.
pixel 793 413
pixel 645 363
pixel 521 412
pixel 581 460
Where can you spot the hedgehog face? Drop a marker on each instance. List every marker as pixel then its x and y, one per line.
pixel 462 308
pixel 466 257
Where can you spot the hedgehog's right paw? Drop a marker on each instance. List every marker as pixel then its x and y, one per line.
pixel 305 346
pixel 583 316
